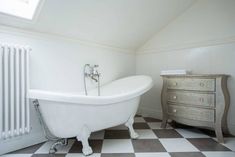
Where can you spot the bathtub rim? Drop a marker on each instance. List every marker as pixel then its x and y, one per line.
pixel 90 100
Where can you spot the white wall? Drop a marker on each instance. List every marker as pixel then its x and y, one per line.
pixel 56 64
pixel 206 22
pixel 202 39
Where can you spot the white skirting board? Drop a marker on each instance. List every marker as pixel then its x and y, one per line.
pixel 21 142
pixel 149 112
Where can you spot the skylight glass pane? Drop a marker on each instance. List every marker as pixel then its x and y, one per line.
pixel 20 8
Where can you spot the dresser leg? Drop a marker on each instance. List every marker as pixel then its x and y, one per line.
pixel 225 129
pixel 219 134
pixel 164 122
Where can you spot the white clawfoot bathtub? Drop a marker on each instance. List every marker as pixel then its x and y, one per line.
pixel 76 115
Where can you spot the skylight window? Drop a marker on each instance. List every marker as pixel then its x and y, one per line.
pixel 20 8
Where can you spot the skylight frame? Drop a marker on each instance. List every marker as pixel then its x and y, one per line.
pixel 24 11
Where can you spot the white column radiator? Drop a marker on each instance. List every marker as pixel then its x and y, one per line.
pixel 14 83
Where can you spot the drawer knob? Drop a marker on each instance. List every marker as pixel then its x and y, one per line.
pixel 202 84
pixel 202 99
pixel 174 97
pixel 175 84
pixel 174 110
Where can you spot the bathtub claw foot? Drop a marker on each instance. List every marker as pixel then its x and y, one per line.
pixel 83 137
pixel 134 135
pixel 87 151
pixel 129 124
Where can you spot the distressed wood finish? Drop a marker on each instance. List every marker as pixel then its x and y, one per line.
pixel 191 98
pixel 197 100
pixel 195 113
pixel 201 84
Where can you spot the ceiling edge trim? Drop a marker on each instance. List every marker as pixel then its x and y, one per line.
pixel 30 33
pixel 185 45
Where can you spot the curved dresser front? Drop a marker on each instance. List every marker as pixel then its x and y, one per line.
pixel 196 100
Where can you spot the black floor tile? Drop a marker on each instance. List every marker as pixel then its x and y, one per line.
pixel 187 154
pixel 118 155
pixel 167 133
pixel 207 144
pixel 148 145
pixel 149 119
pixel 141 125
pixel 96 146
pixel 117 134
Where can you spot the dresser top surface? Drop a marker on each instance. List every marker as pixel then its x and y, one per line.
pixel 197 75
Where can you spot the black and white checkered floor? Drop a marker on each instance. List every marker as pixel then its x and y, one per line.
pixel 153 142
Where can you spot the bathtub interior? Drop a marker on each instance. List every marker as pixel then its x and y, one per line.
pixel 122 86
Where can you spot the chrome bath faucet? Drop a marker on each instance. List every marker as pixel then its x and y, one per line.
pixel 91 71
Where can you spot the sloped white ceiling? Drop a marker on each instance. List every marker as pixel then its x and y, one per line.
pixel 124 24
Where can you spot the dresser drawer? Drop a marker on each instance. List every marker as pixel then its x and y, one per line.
pixel 195 99
pixel 191 113
pixel 191 84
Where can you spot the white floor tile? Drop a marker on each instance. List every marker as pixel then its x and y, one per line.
pixel 178 145
pixel 152 155
pixel 219 154
pixel 17 155
pixel 97 135
pixel 139 119
pixel 44 149
pixel 117 146
pixel 230 143
pixel 146 134
pixel 191 133
pixel 119 127
pixel 81 155
pixel 157 125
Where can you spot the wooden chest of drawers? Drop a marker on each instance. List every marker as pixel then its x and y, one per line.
pixel 196 100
